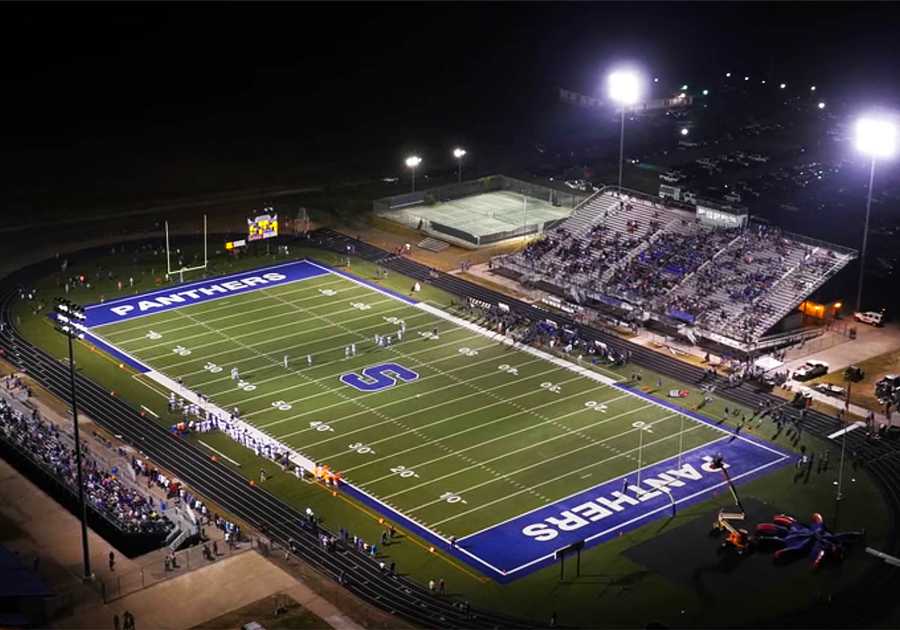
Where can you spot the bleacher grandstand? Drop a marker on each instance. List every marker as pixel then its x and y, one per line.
pixel 639 256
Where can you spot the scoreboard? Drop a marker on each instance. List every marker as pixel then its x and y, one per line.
pixel 262 226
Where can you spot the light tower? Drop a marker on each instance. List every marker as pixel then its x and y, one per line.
pixel 624 89
pixel 458 153
pixel 412 162
pixel 70 321
pixel 876 138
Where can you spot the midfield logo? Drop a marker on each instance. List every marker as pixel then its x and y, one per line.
pixel 378 377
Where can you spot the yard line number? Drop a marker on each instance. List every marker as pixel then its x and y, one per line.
pixel 181 351
pixel 152 334
pixel 452 497
pixel 281 405
pixel 328 292
pixel 318 425
pixel 404 472
pixel 551 387
pixel 504 367
pixel 468 352
pixel 362 449
pixel 360 306
pixel 596 406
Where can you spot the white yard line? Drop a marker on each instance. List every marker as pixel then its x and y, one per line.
pixel 443 437
pixel 563 476
pixel 412 413
pixel 506 476
pixel 168 331
pixel 227 306
pixel 302 359
pixel 430 364
pixel 506 436
pixel 256 332
pixel 219 453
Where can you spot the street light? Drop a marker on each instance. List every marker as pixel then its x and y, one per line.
pixel 458 153
pixel 70 320
pixel 624 89
pixel 412 162
pixel 877 138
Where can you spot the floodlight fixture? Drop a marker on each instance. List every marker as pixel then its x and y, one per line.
pixel 624 87
pixel 684 87
pixel 412 162
pixel 727 75
pixel 821 105
pixel 458 153
pixel 746 78
pixel 782 85
pixel 705 92
pixel 656 79
pixel 812 88
pixel 763 82
pixel 876 137
pixel 684 131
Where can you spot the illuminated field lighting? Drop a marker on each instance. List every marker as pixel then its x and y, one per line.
pixel 684 87
pixel 782 85
pixel 763 82
pixel 812 88
pixel 876 137
pixel 684 131
pixel 821 105
pixel 624 87
pixel 656 79
pixel 746 78
pixel 458 153
pixel 412 162
pixel 705 92
pixel 682 95
pixel 727 75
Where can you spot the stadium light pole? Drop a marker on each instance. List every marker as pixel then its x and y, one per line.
pixel 876 138
pixel 70 320
pixel 412 162
pixel 624 89
pixel 458 153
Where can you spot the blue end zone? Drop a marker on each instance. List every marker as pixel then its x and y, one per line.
pixel 197 292
pixel 526 543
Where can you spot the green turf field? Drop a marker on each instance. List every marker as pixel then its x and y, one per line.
pixel 486 433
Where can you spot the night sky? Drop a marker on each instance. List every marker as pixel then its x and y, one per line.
pixel 100 95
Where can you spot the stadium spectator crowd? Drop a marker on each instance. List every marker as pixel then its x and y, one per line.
pixel 49 447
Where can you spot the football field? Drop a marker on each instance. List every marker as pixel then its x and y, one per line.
pixel 498 452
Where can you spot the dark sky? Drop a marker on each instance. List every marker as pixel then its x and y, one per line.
pixel 170 83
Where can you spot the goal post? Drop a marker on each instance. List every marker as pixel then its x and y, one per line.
pixel 181 271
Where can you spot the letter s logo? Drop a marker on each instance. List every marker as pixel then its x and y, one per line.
pixel 379 377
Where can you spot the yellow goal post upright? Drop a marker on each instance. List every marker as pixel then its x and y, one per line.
pixel 182 269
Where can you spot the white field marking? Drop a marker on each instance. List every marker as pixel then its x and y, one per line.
pixel 150 411
pixel 256 332
pixel 181 288
pixel 303 358
pixel 319 410
pixel 646 514
pixel 505 476
pixel 170 331
pixel 568 474
pixel 564 363
pixel 317 380
pixel 224 278
pixel 443 437
pixel 213 320
pixel 219 453
pixel 604 382
pixel 270 340
pixel 416 412
pixel 508 435
pixel 147 385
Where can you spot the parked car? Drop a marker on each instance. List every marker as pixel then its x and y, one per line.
pixel 810 369
pixel 887 386
pixel 831 389
pixel 869 317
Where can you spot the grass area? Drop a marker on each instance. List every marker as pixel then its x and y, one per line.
pixel 613 590
pixel 863 392
pixel 275 611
